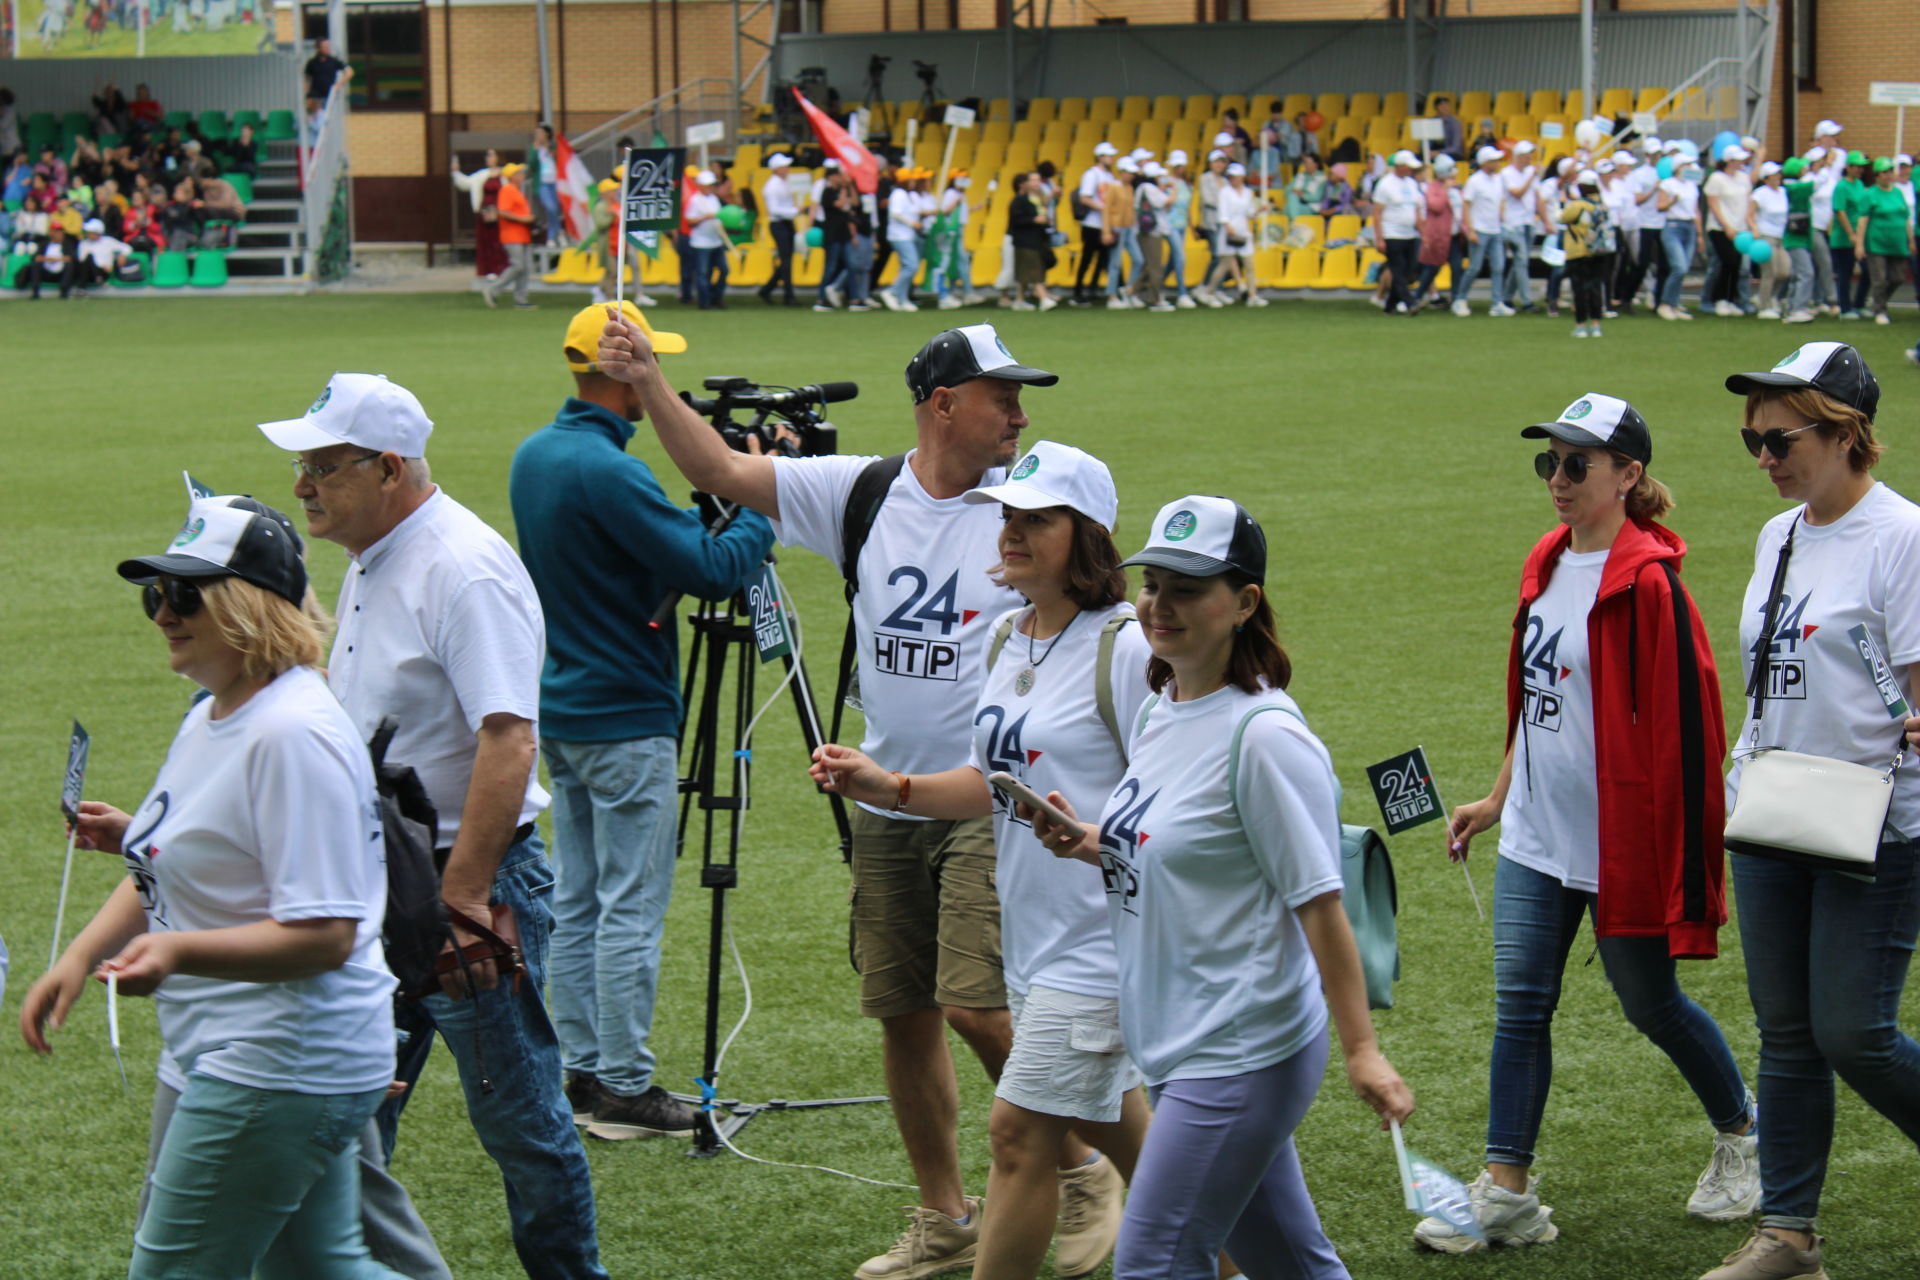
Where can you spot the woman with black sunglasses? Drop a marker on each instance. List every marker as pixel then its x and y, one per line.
pixel 1609 805
pixel 1836 579
pixel 251 914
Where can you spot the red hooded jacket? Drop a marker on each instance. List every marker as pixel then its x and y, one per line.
pixel 1659 740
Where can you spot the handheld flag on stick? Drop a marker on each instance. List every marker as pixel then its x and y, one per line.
pixel 113 1027
pixel 1404 788
pixel 1433 1192
pixel 574 185
pixel 78 747
pixel 838 143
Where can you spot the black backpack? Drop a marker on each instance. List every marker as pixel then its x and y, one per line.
pixel 863 507
pixel 415 928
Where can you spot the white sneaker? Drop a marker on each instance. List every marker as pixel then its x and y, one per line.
pixel 1048 304
pixel 1800 317
pixel 908 306
pixel 1501 309
pixel 836 295
pixel 1609 314
pixel 951 303
pixel 1593 331
pixel 1579 331
pixel 1880 317
pixel 1767 1256
pixel 821 306
pixel 1724 308
pixel 890 302
pixel 1507 1217
pixel 1255 300
pixel 1214 300
pixel 1021 306
pixel 1117 303
pixel 1730 1188
pixel 1769 314
pixel 1185 303
pixel 1681 313
pixel 1378 300
pixel 1161 306
pixel 642 300
pixel 1461 308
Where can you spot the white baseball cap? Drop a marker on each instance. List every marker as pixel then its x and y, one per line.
pixel 1827 129
pixel 357 408
pixel 1154 169
pixel 1175 158
pixel 93 224
pixel 1605 166
pixel 227 535
pixel 1652 145
pixel 830 163
pixel 1816 153
pixel 1595 421
pixel 1140 155
pixel 1523 148
pixel 1736 153
pixel 1127 165
pixel 1770 168
pixel 1623 159
pixel 1904 158
pixel 1202 536
pixel 1443 164
pixel 1488 155
pixel 1588 178
pixel 1216 154
pixel 705 178
pixel 1750 142
pixel 1056 475
pixel 1223 139
pixel 1105 149
pixel 1236 171
pixel 779 160
pixel 1406 158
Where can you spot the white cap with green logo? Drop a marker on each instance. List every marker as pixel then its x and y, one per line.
pixel 1056 475
pixel 1202 536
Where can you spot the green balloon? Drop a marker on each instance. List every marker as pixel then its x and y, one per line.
pixel 814 238
pixel 733 217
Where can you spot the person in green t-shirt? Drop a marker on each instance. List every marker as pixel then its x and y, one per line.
pixel 1849 273
pixel 1882 234
pixel 1797 239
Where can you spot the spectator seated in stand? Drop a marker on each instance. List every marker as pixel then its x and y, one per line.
pixel 241 153
pixel 220 202
pixel 144 111
pixel 51 263
pixel 182 219
pixel 142 228
pixel 196 163
pixel 52 167
pixel 67 217
pixel 99 257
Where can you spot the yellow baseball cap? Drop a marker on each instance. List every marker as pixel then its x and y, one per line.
pixel 583 334
pixel 507 171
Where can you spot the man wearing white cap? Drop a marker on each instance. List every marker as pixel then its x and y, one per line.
pixel 441 630
pixel 1089 197
pixel 708 240
pixel 1826 167
pixel 1174 225
pixel 98 256
pixel 1399 209
pixel 915 556
pixel 1483 196
pixel 1519 221
pixel 776 199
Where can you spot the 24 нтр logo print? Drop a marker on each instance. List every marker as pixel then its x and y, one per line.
pixel 1180 526
pixel 1028 465
pixel 1580 409
pixel 189 531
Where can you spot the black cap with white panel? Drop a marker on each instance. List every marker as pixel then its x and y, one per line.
pixel 1202 536
pixel 1832 368
pixel 230 536
pixel 961 355
pixel 1595 421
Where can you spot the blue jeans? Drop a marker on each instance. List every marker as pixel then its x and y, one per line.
pixel 1676 244
pixel 1125 240
pixel 710 275
pixel 1827 957
pixel 613 835
pixel 1492 250
pixel 908 251
pixel 835 268
pixel 859 268
pixel 1535 919
pixel 1176 242
pixel 1519 242
pixel 509 1063
pixel 550 201
pixel 251 1178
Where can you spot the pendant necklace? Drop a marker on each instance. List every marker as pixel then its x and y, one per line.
pixel 1023 683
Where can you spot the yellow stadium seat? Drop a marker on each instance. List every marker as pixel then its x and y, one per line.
pixel 987 158
pixel 746 156
pixel 1364 105
pixel 1723 103
pixel 1521 126
pixel 1123 134
pixel 1103 109
pixel 1027 131
pixel 986 263
pixel 1442 282
pixel 1088 132
pixel 1544 102
pixel 1269 266
pixel 1339 269
pixel 1331 105
pixel 1347 127
pixel 1072 110
pixel 1021 157
pixel 1342 226
pixel 1231 102
pixel 1509 102
pixel 1259 107
pixel 1199 106
pixel 994 131
pixel 1166 107
pixel 999 109
pixel 1296 103
pixel 1649 98
pixel 663 269
pixel 575 266
pixel 1302 269
pixel 1187 135
pixel 1395 104
pixel 1152 136
pixel 1369 259
pixel 1042 110
pixel 1473 104
pixel 757 267
pixel 1616 102
pixel 1313 222
pixel 1136 108
pixel 1574 105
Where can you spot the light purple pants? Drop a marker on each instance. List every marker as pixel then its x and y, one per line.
pixel 1219 1172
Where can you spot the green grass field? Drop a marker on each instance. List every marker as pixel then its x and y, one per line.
pixel 1383 457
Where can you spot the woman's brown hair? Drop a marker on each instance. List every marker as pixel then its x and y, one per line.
pixel 1094 576
pixel 1258 659
pixel 1828 417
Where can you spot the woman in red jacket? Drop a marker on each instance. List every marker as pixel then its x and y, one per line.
pixel 1610 803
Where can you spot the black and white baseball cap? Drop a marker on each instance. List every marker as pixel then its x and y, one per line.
pixel 1202 536
pixel 961 355
pixel 230 536
pixel 1832 368
pixel 1595 421
pixel 1056 475
pixel 357 408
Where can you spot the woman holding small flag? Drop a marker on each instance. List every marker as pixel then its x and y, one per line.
pixel 1609 805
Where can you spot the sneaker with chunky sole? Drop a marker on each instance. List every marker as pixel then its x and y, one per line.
pixel 653 1114
pixel 580 1089
pixel 1092 1201
pixel 1765 1256
pixel 1507 1218
pixel 1730 1188
pixel 933 1244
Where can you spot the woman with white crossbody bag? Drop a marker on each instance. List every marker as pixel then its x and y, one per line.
pixel 1824 820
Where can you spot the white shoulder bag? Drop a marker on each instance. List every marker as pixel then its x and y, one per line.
pixel 1801 808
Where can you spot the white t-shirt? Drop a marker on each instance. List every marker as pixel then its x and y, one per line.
pixel 1518 203
pixel 1863 570
pixel 1551 821
pixel 1398 202
pixel 1053 913
pixel 1732 190
pixel 1647 178
pixel 925 609
pixel 1550 196
pixel 1236 208
pixel 1483 196
pixel 1093 185
pixel 269 814
pixel 776 197
pixel 440 627
pixel 1621 206
pixel 101 250
pixel 903 215
pixel 1686 199
pixel 709 234
pixel 1825 179
pixel 1216 978
pixel 1770 211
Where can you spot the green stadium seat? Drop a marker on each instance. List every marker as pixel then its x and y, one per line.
pixel 213 126
pixel 176 120
pixel 75 122
pixel 279 127
pixel 247 117
pixel 242 186
pixel 108 141
pixel 147 260
pixel 43 124
pixel 13 205
pixel 170 270
pixel 11 268
pixel 209 269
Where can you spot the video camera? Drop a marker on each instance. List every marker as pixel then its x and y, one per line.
pixel 799 432
pixel 927 71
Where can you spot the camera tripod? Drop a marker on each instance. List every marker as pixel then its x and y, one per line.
pixel 874 93
pixel 724 639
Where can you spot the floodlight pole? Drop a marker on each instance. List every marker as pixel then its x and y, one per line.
pixel 546 77
pixel 1587 37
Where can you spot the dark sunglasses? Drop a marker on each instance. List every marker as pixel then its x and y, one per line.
pixel 1576 465
pixel 1777 442
pixel 181 596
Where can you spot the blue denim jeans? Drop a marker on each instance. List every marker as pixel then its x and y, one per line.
pixel 1125 240
pixel 614 815
pixel 248 1178
pixel 1519 242
pixel 1176 242
pixel 1535 919
pixel 859 268
pixel 509 1063
pixel 1676 245
pixel 710 275
pixel 1827 957
pixel 908 251
pixel 836 267
pixel 1492 250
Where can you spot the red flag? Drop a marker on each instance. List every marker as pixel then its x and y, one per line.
pixel 838 143
pixel 688 190
pixel 575 190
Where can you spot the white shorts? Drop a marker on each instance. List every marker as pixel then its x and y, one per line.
pixel 1068 1058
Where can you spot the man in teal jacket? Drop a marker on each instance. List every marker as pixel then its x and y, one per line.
pixel 605 547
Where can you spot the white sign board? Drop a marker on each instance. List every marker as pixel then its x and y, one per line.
pixel 1427 130
pixel 700 135
pixel 1893 93
pixel 958 117
pixel 1646 124
pixel 1552 130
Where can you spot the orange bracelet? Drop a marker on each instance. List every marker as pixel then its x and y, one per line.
pixel 906 791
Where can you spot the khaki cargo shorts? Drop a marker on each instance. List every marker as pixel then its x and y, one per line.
pixel 925 915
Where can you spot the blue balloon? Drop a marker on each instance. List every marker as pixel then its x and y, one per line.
pixel 1665 167
pixel 1721 141
pixel 1760 251
pixel 1744 242
pixel 1689 148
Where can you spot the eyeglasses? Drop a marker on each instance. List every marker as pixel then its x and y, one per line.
pixel 181 595
pixel 1576 466
pixel 301 467
pixel 1777 442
